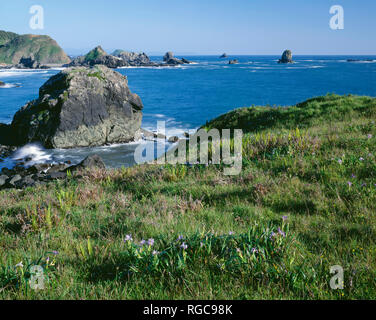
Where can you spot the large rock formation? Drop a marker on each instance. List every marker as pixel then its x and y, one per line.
pixel 286 57
pixel 133 58
pixel 169 59
pixel 80 107
pixel 39 48
pixel 95 57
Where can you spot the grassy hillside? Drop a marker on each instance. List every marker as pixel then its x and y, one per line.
pixel 43 49
pixel 94 54
pixel 304 201
pixel 6 36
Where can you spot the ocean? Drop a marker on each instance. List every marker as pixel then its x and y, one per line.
pixel 185 97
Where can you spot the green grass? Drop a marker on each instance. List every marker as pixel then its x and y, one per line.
pixel 313 164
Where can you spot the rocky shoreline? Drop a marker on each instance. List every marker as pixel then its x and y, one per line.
pixel 20 177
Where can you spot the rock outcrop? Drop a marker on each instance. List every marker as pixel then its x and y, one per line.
pixel 169 59
pixel 39 174
pixel 235 61
pixel 80 107
pixel 97 56
pixel 286 57
pixel 133 58
pixel 39 48
pixel 29 63
pixel 224 55
pixel 2 84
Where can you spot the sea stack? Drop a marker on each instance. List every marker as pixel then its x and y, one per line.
pixel 80 107
pixel 286 57
pixel 169 59
pixel 224 56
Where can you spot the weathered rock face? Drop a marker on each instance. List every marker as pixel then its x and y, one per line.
pixel 286 57
pixel 80 107
pixel 133 58
pixel 98 56
pixel 29 63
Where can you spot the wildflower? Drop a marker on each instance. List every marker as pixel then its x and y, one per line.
pixel 238 250
pixel 142 242
pixel 284 218
pixel 231 233
pixel 201 244
pixel 349 183
pixel 340 161
pixel 180 237
pixel 364 184
pixel 48 260
pixel 184 246
pixel 128 237
pixel 151 242
pixel 55 252
pixel 281 232
pixel 370 136
pixel 361 159
pixel 19 265
pixel 254 250
pixel 155 252
pixel 272 235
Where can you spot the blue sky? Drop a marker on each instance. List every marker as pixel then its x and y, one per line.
pixel 200 26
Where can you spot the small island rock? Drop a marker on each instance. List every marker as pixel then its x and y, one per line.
pixel 286 57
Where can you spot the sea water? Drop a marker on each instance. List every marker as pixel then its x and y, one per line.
pixel 185 97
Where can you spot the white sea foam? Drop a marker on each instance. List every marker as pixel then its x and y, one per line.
pixel 35 151
pixel 9 85
pixel 20 72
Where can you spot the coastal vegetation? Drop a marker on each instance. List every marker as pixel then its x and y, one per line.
pixel 41 48
pixel 304 201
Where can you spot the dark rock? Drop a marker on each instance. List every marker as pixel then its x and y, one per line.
pixel 172 61
pixel 93 161
pixel 80 107
pixel 11 182
pixel 168 56
pixel 186 61
pixel 2 84
pixel 39 177
pixel 7 172
pixel 286 57
pixel 56 175
pixel 224 55
pixel 109 61
pixel 235 61
pixel 6 136
pixel 26 182
pixel 173 139
pixel 57 168
pixel 132 58
pixel 38 168
pixel 3 179
pixel 90 162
